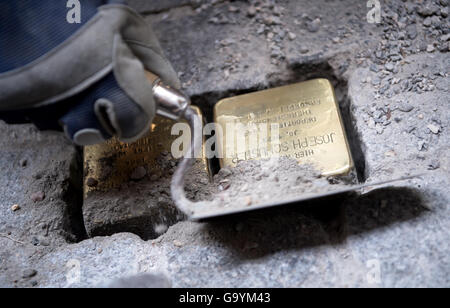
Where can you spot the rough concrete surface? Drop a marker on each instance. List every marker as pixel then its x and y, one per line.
pixel 392 84
pixel 40 199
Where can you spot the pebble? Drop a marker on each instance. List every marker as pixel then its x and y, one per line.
pixel 38 196
pixel 389 67
pixel 427 9
pixel 390 154
pixel 91 182
pixel 38 175
pixel 430 48
pixel 272 20
pixel 251 12
pixel 376 81
pixel 421 145
pixel 177 243
pixel 248 201
pixel 336 40
pixel 411 31
pixel 15 207
pixel 29 273
pixel 138 174
pixel 224 185
pixel 405 107
pixel 314 25
pixel 434 164
pixel 227 42
pixel 292 36
pixel 434 128
pixel 161 228
pixel 44 242
pixel 261 29
pixel 155 177
pixel 203 181
pixel 374 68
pixel 35 241
pixel 445 37
pixel 23 163
pixel 427 22
pixel 304 50
pixel 444 12
pixel 379 130
pixel 224 172
pixel 420 156
pixel 233 9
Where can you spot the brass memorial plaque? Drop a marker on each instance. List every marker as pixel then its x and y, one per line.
pixel 309 122
pixel 112 163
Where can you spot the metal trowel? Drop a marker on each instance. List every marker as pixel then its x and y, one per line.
pixel 310 130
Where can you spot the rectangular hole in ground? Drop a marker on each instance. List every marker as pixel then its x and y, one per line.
pixel 298 73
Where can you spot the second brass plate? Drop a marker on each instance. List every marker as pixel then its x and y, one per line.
pixel 111 163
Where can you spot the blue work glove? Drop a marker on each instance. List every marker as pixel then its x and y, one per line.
pixel 85 78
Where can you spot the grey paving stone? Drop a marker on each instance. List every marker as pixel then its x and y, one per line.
pixel 36 163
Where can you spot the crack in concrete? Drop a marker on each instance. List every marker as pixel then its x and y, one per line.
pixel 73 197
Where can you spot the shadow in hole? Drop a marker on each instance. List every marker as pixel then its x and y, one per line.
pixel 315 223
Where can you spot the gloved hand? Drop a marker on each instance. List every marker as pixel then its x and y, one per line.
pixel 87 79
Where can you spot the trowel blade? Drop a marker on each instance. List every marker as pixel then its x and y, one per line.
pixel 299 199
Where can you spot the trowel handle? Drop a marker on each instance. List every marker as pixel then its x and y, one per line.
pixel 173 104
pixel 170 102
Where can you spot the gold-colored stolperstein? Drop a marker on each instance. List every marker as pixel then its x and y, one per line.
pixel 311 129
pixel 110 164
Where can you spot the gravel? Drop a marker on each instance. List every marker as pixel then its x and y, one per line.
pixel 38 196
